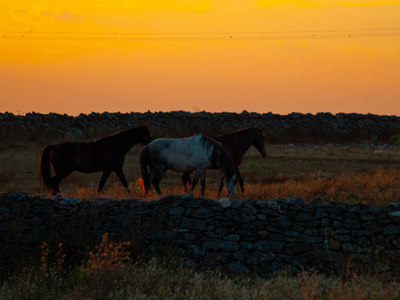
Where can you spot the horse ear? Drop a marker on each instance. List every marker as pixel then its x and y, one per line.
pixel 144 125
pixel 262 129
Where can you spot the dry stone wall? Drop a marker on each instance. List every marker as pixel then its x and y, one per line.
pixel 249 237
pixel 294 127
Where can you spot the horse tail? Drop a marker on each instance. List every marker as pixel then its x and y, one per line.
pixel 143 168
pixel 44 170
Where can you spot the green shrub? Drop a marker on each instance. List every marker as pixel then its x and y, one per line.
pixel 254 167
pixel 374 140
pixel 395 139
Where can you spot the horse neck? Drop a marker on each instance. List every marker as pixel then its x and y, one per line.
pixel 225 163
pixel 236 143
pixel 249 137
pixel 128 139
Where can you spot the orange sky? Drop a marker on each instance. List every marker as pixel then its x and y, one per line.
pixel 215 55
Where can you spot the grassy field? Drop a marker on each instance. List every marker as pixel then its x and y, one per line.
pixel 341 173
pixel 354 174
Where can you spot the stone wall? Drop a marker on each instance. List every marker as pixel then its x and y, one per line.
pixel 249 236
pixel 294 127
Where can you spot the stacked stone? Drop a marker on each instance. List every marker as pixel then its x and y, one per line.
pixel 322 125
pixel 240 236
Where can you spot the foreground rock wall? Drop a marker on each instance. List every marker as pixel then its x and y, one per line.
pixel 293 127
pixel 240 236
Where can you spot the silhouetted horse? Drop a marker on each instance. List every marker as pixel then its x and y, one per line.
pixel 237 143
pixel 196 153
pixel 105 155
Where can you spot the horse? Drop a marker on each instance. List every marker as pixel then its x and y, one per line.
pixel 105 155
pixel 236 143
pixel 196 153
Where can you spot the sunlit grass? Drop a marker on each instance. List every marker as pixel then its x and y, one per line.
pixel 376 188
pixel 355 175
pixel 116 191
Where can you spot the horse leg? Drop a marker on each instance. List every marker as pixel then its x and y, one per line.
pixel 197 175
pixel 156 183
pixel 103 179
pixel 195 180
pixel 221 186
pixel 156 174
pixel 147 181
pixel 203 183
pixel 157 179
pixel 240 180
pixel 121 178
pixel 56 182
pixel 60 174
pixel 186 180
pixel 62 168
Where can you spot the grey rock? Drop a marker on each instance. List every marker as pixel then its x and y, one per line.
pixel 260 258
pixel 228 246
pixel 176 211
pixel 238 268
pixel 236 203
pixel 193 224
pixel 284 221
pixel 232 237
pixel 269 246
pixel 203 213
pixel 303 217
pixel 195 250
pixel 224 202
pixel 390 230
pixel 351 224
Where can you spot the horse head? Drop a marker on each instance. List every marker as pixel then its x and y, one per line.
pixel 230 183
pixel 145 137
pixel 258 142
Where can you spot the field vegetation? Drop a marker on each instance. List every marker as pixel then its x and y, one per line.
pixel 342 173
pixel 352 174
pixel 110 273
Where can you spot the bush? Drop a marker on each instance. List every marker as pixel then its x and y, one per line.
pixel 395 139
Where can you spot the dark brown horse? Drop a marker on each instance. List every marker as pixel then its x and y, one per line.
pixel 236 144
pixel 105 155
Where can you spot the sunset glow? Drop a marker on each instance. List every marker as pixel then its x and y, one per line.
pixel 215 55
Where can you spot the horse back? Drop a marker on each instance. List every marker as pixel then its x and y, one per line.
pixel 85 157
pixel 180 155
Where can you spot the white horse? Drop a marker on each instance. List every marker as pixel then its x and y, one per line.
pixel 196 153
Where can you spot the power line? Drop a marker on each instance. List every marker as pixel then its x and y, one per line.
pixel 200 36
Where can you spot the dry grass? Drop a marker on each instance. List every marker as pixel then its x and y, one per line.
pixel 377 188
pixel 109 273
pixel 356 175
pixel 361 175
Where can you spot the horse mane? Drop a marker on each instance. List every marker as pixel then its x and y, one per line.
pixel 237 142
pixel 242 131
pixel 121 138
pixel 220 156
pixel 121 134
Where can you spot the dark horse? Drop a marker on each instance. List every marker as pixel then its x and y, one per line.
pixel 107 154
pixel 236 143
pixel 196 153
